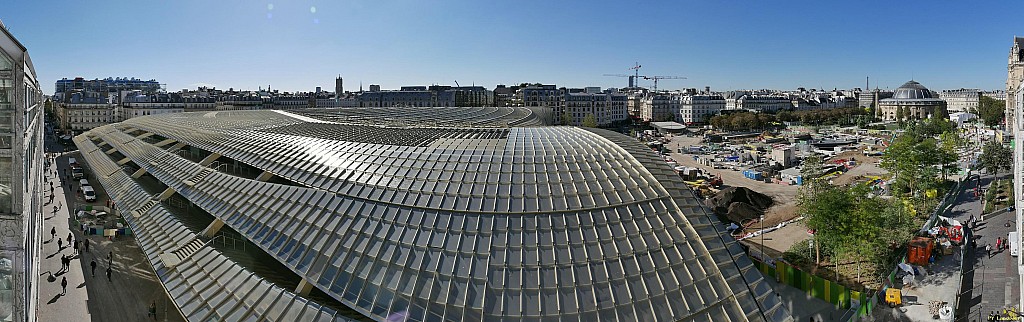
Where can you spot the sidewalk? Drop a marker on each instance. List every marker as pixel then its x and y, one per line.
pixel 992 280
pixel 133 286
pixel 52 305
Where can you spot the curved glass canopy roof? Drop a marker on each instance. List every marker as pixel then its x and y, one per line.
pixel 460 214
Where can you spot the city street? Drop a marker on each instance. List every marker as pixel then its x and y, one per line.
pixel 993 281
pixel 132 286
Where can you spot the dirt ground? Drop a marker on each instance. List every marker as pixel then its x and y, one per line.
pixel 865 167
pixel 785 207
pixel 783 195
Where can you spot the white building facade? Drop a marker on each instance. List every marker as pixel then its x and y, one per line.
pixel 697 108
pixel 961 100
pixel 21 178
pixel 606 108
pixel 763 103
pixel 80 117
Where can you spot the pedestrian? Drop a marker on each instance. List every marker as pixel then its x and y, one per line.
pixel 988 249
pixel 108 273
pixel 999 243
pixel 76 246
pixel 65 263
pixel 63 285
pixel 110 260
pixel 152 310
pixel 59 245
pixel 86 242
pixel 69 239
pixel 53 232
pixel 93 265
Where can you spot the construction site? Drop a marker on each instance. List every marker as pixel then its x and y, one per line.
pixel 751 180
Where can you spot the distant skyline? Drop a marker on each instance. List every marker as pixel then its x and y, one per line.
pixel 299 45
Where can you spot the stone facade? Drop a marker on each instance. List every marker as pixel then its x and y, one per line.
pixel 914 100
pixel 1014 77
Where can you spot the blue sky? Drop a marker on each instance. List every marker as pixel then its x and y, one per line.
pixel 298 45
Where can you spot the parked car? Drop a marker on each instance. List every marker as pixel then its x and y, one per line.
pixel 89 193
pixel 84 182
pixel 77 172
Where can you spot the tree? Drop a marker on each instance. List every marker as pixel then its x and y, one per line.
pixel 566 118
pixel 991 111
pixel 899 114
pixel 719 122
pixel 940 113
pixel 785 116
pixel 995 156
pixel 950 142
pixel 736 121
pixel 590 121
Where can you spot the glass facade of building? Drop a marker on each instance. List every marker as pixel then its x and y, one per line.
pixel 21 162
pixel 429 214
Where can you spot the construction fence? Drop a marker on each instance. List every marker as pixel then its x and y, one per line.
pixel 816 286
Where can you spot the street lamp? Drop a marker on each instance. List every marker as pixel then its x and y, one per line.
pixel 763 257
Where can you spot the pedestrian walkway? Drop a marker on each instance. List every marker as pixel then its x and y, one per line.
pixel 126 295
pixel 54 303
pixel 991 281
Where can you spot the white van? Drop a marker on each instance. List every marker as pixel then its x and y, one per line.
pixel 84 182
pixel 72 162
pixel 90 195
pixel 1014 239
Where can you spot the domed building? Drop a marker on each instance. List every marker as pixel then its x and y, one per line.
pixel 916 101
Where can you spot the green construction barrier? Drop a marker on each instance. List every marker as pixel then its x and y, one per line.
pixel 785 273
pixel 836 294
pixel 817 288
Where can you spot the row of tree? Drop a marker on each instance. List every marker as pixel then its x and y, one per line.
pixel 853 223
pixel 747 121
pixel 990 110
pixel 920 162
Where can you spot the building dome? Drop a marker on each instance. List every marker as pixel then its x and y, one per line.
pixel 912 90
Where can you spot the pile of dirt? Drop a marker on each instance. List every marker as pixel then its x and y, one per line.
pixel 739 204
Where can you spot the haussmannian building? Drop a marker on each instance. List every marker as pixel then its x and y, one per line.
pixel 961 100
pixel 697 108
pixel 77 112
pixel 21 178
pixel 605 108
pixel 418 214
